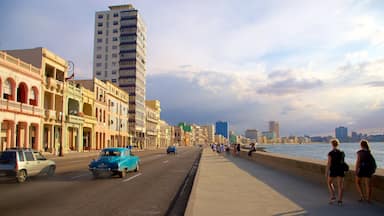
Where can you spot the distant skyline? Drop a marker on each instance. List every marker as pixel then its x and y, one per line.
pixel 310 65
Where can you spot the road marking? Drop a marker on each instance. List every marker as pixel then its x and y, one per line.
pixel 79 176
pixel 166 161
pixel 132 177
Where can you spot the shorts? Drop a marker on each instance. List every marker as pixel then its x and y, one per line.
pixel 364 173
pixel 336 173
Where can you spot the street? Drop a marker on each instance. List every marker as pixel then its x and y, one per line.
pixel 74 191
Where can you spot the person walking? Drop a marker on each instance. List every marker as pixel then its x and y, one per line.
pixel 238 149
pixel 365 168
pixel 251 149
pixel 335 171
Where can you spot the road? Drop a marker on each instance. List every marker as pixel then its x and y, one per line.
pixel 73 191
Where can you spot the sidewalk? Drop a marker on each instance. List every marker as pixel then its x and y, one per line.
pixel 228 185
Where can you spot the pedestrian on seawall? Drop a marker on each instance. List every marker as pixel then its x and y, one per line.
pixel 335 171
pixel 365 168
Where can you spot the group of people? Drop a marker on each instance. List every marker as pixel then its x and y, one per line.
pixel 218 147
pixel 336 168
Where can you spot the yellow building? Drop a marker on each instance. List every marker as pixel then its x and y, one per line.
pixel 152 124
pixel 54 72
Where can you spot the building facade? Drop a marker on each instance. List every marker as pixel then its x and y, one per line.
pixel 252 134
pixel 53 72
pixel 21 103
pixel 152 123
pixel 222 129
pixel 120 57
pixel 275 128
pixel 341 133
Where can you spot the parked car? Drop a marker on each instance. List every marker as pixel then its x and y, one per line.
pixel 171 149
pixel 21 163
pixel 114 161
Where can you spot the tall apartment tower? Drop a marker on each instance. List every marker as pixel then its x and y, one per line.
pixel 341 133
pixel 275 128
pixel 120 57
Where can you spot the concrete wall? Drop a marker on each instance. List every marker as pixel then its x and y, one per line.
pixel 314 170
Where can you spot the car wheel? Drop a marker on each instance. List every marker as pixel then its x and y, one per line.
pixel 21 176
pixel 51 171
pixel 123 173
pixel 137 167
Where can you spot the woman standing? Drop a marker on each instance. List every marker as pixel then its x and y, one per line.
pixel 365 167
pixel 334 171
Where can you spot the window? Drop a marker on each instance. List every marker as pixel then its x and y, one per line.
pixel 98 64
pixel 115 31
pixel 100 24
pixel 99 48
pixel 98 56
pixel 99 32
pixel 98 73
pixel 21 156
pixel 100 16
pixel 114 47
pixel 99 40
pixel 115 15
pixel 114 80
pixel 114 72
pixel 29 156
pixel 114 64
pixel 114 55
pixel 115 39
pixel 115 23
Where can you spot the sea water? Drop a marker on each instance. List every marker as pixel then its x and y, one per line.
pixel 320 151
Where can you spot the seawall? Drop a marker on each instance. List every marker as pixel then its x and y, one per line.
pixel 314 170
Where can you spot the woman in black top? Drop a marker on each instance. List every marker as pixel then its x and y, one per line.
pixel 365 167
pixel 334 171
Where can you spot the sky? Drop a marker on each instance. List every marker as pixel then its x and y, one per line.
pixel 310 65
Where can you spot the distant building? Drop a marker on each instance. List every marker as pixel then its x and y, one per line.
pixel 222 129
pixel 251 134
pixel 275 128
pixel 210 133
pixel 341 134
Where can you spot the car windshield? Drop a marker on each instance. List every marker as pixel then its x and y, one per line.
pixel 108 153
pixel 7 157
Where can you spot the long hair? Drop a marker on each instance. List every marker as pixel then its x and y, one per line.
pixel 364 144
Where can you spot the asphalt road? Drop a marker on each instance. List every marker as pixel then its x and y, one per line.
pixel 73 191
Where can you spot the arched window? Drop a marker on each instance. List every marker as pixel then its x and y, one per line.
pixel 8 89
pixel 22 93
pixel 34 96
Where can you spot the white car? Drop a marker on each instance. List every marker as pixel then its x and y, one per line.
pixel 21 163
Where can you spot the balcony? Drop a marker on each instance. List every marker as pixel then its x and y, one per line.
pixel 50 115
pixel 75 119
pixel 17 107
pixel 50 83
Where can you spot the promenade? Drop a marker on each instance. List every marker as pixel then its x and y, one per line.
pixel 230 185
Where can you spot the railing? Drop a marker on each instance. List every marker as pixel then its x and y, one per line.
pixel 50 114
pixel 50 81
pixel 15 61
pixel 13 106
pixel 75 119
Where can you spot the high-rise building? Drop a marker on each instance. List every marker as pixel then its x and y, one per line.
pixel 275 128
pixel 120 57
pixel 222 129
pixel 341 134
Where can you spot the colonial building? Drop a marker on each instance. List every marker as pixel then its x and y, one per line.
pixel 152 125
pixel 21 103
pixel 53 73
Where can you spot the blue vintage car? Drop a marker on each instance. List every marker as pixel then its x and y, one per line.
pixel 114 161
pixel 171 149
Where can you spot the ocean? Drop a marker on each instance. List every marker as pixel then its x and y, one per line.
pixel 320 151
